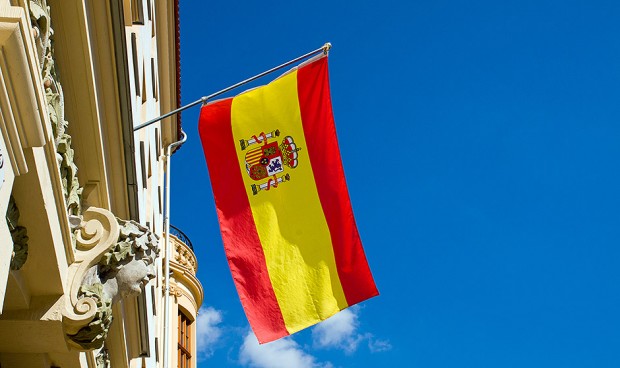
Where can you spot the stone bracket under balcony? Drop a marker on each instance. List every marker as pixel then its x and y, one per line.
pixel 113 259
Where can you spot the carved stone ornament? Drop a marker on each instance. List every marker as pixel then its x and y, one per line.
pixel 43 35
pixel 175 291
pixel 185 257
pixel 102 358
pixel 113 259
pixel 19 235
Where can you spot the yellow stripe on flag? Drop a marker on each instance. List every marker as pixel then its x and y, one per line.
pixel 290 221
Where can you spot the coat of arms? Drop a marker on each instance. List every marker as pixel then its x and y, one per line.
pixel 270 159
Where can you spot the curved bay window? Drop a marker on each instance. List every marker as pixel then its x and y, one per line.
pixel 185 341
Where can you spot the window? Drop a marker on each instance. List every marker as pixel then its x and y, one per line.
pixel 143 164
pixel 185 339
pixel 137 12
pixel 154 79
pixel 149 10
pixel 134 57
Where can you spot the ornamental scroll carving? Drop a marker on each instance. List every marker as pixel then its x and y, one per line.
pixel 113 259
pixel 175 291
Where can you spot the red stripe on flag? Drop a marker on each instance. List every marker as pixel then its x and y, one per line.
pixel 320 132
pixel 241 242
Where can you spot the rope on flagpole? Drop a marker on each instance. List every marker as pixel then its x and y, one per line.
pixel 203 100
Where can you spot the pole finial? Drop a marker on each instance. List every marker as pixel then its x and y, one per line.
pixel 327 47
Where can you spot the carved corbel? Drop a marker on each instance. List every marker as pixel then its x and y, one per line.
pixel 113 259
pixel 98 233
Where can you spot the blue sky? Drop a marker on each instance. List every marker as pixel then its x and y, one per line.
pixel 480 140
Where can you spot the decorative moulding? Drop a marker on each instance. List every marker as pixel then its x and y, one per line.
pixel 22 103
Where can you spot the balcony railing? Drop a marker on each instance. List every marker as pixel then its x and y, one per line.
pixel 181 236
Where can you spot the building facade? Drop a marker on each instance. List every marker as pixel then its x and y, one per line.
pixel 82 248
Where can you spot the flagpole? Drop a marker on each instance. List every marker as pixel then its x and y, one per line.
pixel 324 49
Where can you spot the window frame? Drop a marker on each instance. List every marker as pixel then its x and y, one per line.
pixel 184 342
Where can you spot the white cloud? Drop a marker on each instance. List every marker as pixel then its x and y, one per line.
pixel 341 332
pixel 338 331
pixel 378 346
pixel 208 332
pixel 283 353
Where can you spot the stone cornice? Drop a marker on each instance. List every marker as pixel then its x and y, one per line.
pixel 183 276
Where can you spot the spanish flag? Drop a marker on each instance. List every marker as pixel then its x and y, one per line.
pixel 282 202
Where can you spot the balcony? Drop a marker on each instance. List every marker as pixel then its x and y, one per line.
pixel 181 236
pixel 183 250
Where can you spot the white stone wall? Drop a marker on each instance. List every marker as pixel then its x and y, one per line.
pixel 143 78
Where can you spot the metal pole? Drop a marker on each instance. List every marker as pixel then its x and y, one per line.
pixel 166 345
pixel 324 49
